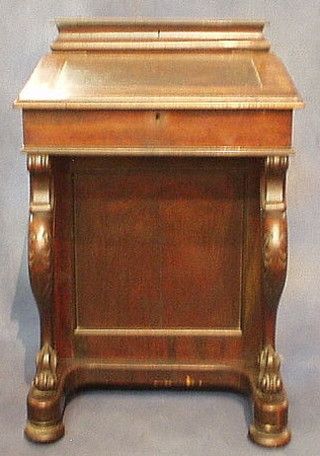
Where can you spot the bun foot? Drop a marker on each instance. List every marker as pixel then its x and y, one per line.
pixel 269 439
pixel 41 433
pixel 269 428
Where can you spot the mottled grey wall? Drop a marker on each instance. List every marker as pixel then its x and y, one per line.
pixel 216 424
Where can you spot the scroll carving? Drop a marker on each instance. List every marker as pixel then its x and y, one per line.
pixel 275 243
pixel 39 163
pixel 274 240
pixel 41 239
pixel 274 207
pixel 46 377
pixel 269 381
pixel 40 259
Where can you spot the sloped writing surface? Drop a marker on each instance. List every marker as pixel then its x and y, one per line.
pixel 154 70
pixel 159 80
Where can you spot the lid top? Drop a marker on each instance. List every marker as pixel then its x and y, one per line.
pixel 117 64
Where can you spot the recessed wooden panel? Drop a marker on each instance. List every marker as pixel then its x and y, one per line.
pixel 159 245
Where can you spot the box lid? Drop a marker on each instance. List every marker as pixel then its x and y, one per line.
pixel 121 64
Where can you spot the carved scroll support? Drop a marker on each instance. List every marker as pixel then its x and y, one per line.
pixel 274 231
pixel 270 400
pixel 41 240
pixel 45 400
pixel 41 264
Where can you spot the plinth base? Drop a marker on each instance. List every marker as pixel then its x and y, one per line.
pixel 46 408
pixel 41 433
pixel 272 439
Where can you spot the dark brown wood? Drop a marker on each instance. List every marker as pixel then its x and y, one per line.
pixel 158 232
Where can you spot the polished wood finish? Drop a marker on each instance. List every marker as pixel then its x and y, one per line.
pixel 116 34
pixel 158 236
pixel 107 64
pixel 174 129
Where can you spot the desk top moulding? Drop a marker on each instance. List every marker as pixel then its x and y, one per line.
pixel 157 153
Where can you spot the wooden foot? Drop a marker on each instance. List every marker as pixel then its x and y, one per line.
pixel 270 404
pixel 43 433
pixel 270 421
pixel 269 439
pixel 45 411
pixel 45 400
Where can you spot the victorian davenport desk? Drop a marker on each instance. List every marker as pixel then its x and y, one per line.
pixel 157 154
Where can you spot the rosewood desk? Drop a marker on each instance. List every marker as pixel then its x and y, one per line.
pixel 157 154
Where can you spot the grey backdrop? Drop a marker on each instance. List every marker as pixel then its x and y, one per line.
pixel 162 423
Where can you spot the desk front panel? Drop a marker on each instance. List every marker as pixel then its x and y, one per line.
pixel 162 128
pixel 163 255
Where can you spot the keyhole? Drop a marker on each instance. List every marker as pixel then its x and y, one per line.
pixel 157 116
